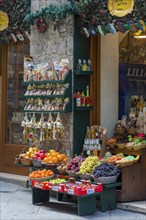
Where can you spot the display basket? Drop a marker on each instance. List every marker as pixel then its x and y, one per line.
pixel 139 147
pixel 26 161
pixel 106 180
pixel 129 147
pixel 136 159
pixel 72 174
pixel 37 163
pixel 111 145
pixel 120 145
pixel 124 164
pixel 51 166
pixel 87 176
pixel 42 179
pixel 131 131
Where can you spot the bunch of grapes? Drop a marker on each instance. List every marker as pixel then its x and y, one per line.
pixel 105 170
pixel 74 164
pixel 88 165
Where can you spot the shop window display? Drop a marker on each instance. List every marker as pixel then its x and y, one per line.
pixel 14 89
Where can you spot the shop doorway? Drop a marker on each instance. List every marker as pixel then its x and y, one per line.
pixel 11 105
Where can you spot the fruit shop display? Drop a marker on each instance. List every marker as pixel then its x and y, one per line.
pixel 62 168
pixel 54 157
pixel 106 170
pixel 39 174
pixel 88 165
pixel 29 154
pixel 39 155
pixel 73 166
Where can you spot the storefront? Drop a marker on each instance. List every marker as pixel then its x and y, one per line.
pixel 66 42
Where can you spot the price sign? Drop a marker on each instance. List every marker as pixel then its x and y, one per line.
pixel 120 8
pixel 37 185
pixel 90 191
pixel 4 20
pixel 55 188
pixel 71 191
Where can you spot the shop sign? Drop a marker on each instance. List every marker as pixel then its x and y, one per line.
pixel 120 8
pixel 4 20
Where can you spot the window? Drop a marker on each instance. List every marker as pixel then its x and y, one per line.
pixel 14 91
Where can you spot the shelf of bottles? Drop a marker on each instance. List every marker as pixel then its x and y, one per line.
pixel 93 139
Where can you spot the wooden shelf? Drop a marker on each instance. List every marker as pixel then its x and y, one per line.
pixel 83 73
pixel 67 79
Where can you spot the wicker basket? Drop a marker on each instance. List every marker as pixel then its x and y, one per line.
pixel 129 147
pixel 26 161
pixel 124 164
pixel 106 180
pixel 86 176
pixel 72 174
pixel 131 130
pixel 111 145
pixel 37 163
pixel 120 145
pixel 138 147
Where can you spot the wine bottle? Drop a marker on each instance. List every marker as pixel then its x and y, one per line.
pixel 87 98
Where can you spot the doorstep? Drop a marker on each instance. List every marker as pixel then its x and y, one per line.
pixel 137 206
pixel 15 179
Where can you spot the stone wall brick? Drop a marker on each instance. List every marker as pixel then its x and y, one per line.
pixel 54 46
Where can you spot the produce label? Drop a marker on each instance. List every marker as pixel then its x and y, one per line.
pixel 90 191
pixel 37 185
pixel 71 191
pixel 120 8
pixel 55 188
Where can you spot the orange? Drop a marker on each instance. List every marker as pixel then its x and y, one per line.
pixel 52 151
pixel 64 160
pixel 54 154
pixel 54 160
pixel 60 157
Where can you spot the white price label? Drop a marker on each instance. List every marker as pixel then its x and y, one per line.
pixel 55 188
pixel 90 191
pixel 70 191
pixel 38 185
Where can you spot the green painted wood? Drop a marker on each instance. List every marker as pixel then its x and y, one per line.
pixel 40 196
pixel 86 205
pixel 83 108
pixel 59 196
pixel 83 73
pixel 108 198
pixel 81 119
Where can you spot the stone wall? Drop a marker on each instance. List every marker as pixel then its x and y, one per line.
pixel 54 46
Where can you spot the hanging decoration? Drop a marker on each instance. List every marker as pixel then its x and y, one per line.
pixel 120 8
pixel 95 16
pixel 12 27
pixel 4 20
pixel 41 25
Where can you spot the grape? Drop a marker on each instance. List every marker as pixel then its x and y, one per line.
pixel 105 170
pixel 74 164
pixel 88 164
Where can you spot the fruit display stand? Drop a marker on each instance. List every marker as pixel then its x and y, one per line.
pixel 105 193
pixel 133 178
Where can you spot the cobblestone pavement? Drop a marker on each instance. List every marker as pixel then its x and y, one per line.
pixel 16 203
